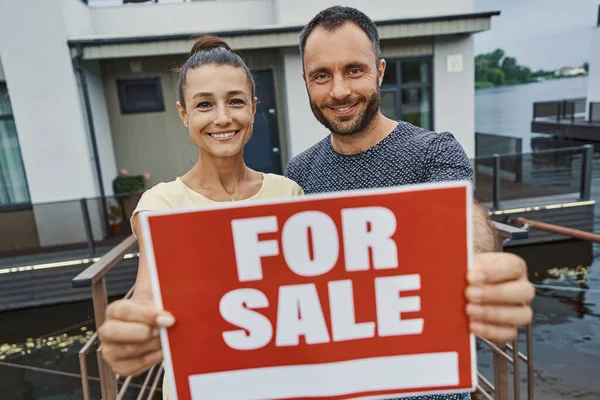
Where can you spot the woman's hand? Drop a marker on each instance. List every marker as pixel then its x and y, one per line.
pixel 129 336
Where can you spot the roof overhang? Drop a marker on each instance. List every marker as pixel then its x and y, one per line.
pixel 274 37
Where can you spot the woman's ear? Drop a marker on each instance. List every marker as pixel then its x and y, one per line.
pixel 254 104
pixel 182 114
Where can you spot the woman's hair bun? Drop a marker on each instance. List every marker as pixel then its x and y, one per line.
pixel 208 42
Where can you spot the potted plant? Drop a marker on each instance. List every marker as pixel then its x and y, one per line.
pixel 115 217
pixel 125 184
pixel 128 189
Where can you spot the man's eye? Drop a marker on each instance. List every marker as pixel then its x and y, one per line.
pixel 355 71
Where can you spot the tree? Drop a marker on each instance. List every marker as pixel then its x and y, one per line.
pixel 496 76
pixel 524 74
pixel 495 58
pixel 498 69
pixel 481 68
pixel 510 69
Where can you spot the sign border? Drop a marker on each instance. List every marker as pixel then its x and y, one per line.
pixel 146 233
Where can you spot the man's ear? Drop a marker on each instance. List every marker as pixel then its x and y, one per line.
pixel 381 69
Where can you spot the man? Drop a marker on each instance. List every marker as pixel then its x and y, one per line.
pixel 343 70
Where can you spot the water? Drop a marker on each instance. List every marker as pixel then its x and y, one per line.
pixel 509 110
pixel 566 327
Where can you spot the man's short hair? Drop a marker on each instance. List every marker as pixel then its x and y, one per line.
pixel 335 17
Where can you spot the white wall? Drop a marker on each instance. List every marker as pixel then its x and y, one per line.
pixel 76 18
pixel 201 16
pixel 294 12
pixel 145 19
pixel 594 75
pixel 454 92
pixel 45 101
pixel 303 128
pixel 1 72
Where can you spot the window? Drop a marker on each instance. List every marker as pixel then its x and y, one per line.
pixel 406 92
pixel 140 95
pixel 13 184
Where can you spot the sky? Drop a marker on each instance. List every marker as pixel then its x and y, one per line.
pixel 541 34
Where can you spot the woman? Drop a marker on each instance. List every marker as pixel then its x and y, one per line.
pixel 217 105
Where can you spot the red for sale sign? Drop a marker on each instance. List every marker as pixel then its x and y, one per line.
pixel 338 296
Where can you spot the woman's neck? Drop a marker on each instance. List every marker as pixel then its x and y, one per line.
pixel 225 174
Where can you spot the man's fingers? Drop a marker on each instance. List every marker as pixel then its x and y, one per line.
pixel 500 315
pixel 517 292
pixel 133 311
pixel 496 268
pixel 493 332
pixel 114 331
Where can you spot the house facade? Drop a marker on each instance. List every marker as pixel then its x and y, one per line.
pixel 87 88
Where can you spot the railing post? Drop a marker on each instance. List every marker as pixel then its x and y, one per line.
pixel 530 371
pixel 496 187
pixel 516 369
pixel 88 227
pixel 586 171
pixel 500 374
pixel 558 111
pixel 108 380
pixel 519 161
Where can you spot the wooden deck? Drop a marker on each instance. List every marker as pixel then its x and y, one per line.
pixel 579 129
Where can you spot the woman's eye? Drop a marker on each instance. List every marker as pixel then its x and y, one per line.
pixel 237 102
pixel 204 104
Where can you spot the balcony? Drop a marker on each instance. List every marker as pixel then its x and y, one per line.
pixel 567 119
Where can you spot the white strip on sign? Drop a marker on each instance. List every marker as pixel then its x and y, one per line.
pixel 332 379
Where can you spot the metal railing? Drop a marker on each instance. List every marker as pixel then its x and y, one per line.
pixel 569 111
pixel 488 144
pixel 505 354
pixel 594 112
pixel 95 277
pixel 113 389
pixel 559 110
pixel 503 177
pixel 78 224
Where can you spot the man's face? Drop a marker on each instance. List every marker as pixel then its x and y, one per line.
pixel 342 78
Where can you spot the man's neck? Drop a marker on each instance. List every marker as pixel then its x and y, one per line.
pixel 363 140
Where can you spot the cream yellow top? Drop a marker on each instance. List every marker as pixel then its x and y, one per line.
pixel 176 194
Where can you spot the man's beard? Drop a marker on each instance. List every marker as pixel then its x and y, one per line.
pixel 363 120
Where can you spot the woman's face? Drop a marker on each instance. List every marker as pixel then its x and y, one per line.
pixel 219 109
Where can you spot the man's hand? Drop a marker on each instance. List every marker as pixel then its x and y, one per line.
pixel 129 336
pixel 498 296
